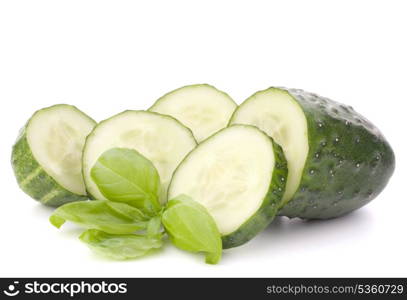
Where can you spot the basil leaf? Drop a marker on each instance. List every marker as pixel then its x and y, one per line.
pixel 154 227
pixel 111 217
pixel 120 247
pixel 124 175
pixel 191 228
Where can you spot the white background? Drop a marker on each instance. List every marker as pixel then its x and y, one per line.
pixel 107 56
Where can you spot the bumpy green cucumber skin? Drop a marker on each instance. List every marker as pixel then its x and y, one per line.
pixel 33 179
pixel 349 161
pixel 269 208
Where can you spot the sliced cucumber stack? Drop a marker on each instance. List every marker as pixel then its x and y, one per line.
pixel 337 160
pixel 201 107
pixel 160 138
pixel 239 175
pixel 47 156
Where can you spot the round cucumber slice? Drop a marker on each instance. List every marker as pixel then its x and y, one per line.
pixel 160 138
pixel 239 175
pixel 47 156
pixel 277 114
pixel 201 107
pixel 337 160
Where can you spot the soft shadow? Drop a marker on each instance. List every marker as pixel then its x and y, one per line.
pixel 283 227
pixel 42 210
pixel 290 235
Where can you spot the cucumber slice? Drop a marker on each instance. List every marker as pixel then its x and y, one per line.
pixel 160 138
pixel 239 175
pixel 337 160
pixel 201 107
pixel 282 119
pixel 47 156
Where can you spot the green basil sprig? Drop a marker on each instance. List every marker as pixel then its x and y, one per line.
pixel 108 216
pixel 129 223
pixel 120 246
pixel 191 228
pixel 124 175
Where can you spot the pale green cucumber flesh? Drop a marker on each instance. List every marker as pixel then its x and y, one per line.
pixel 46 157
pixel 348 160
pixel 276 113
pixel 239 175
pixel 160 138
pixel 201 107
